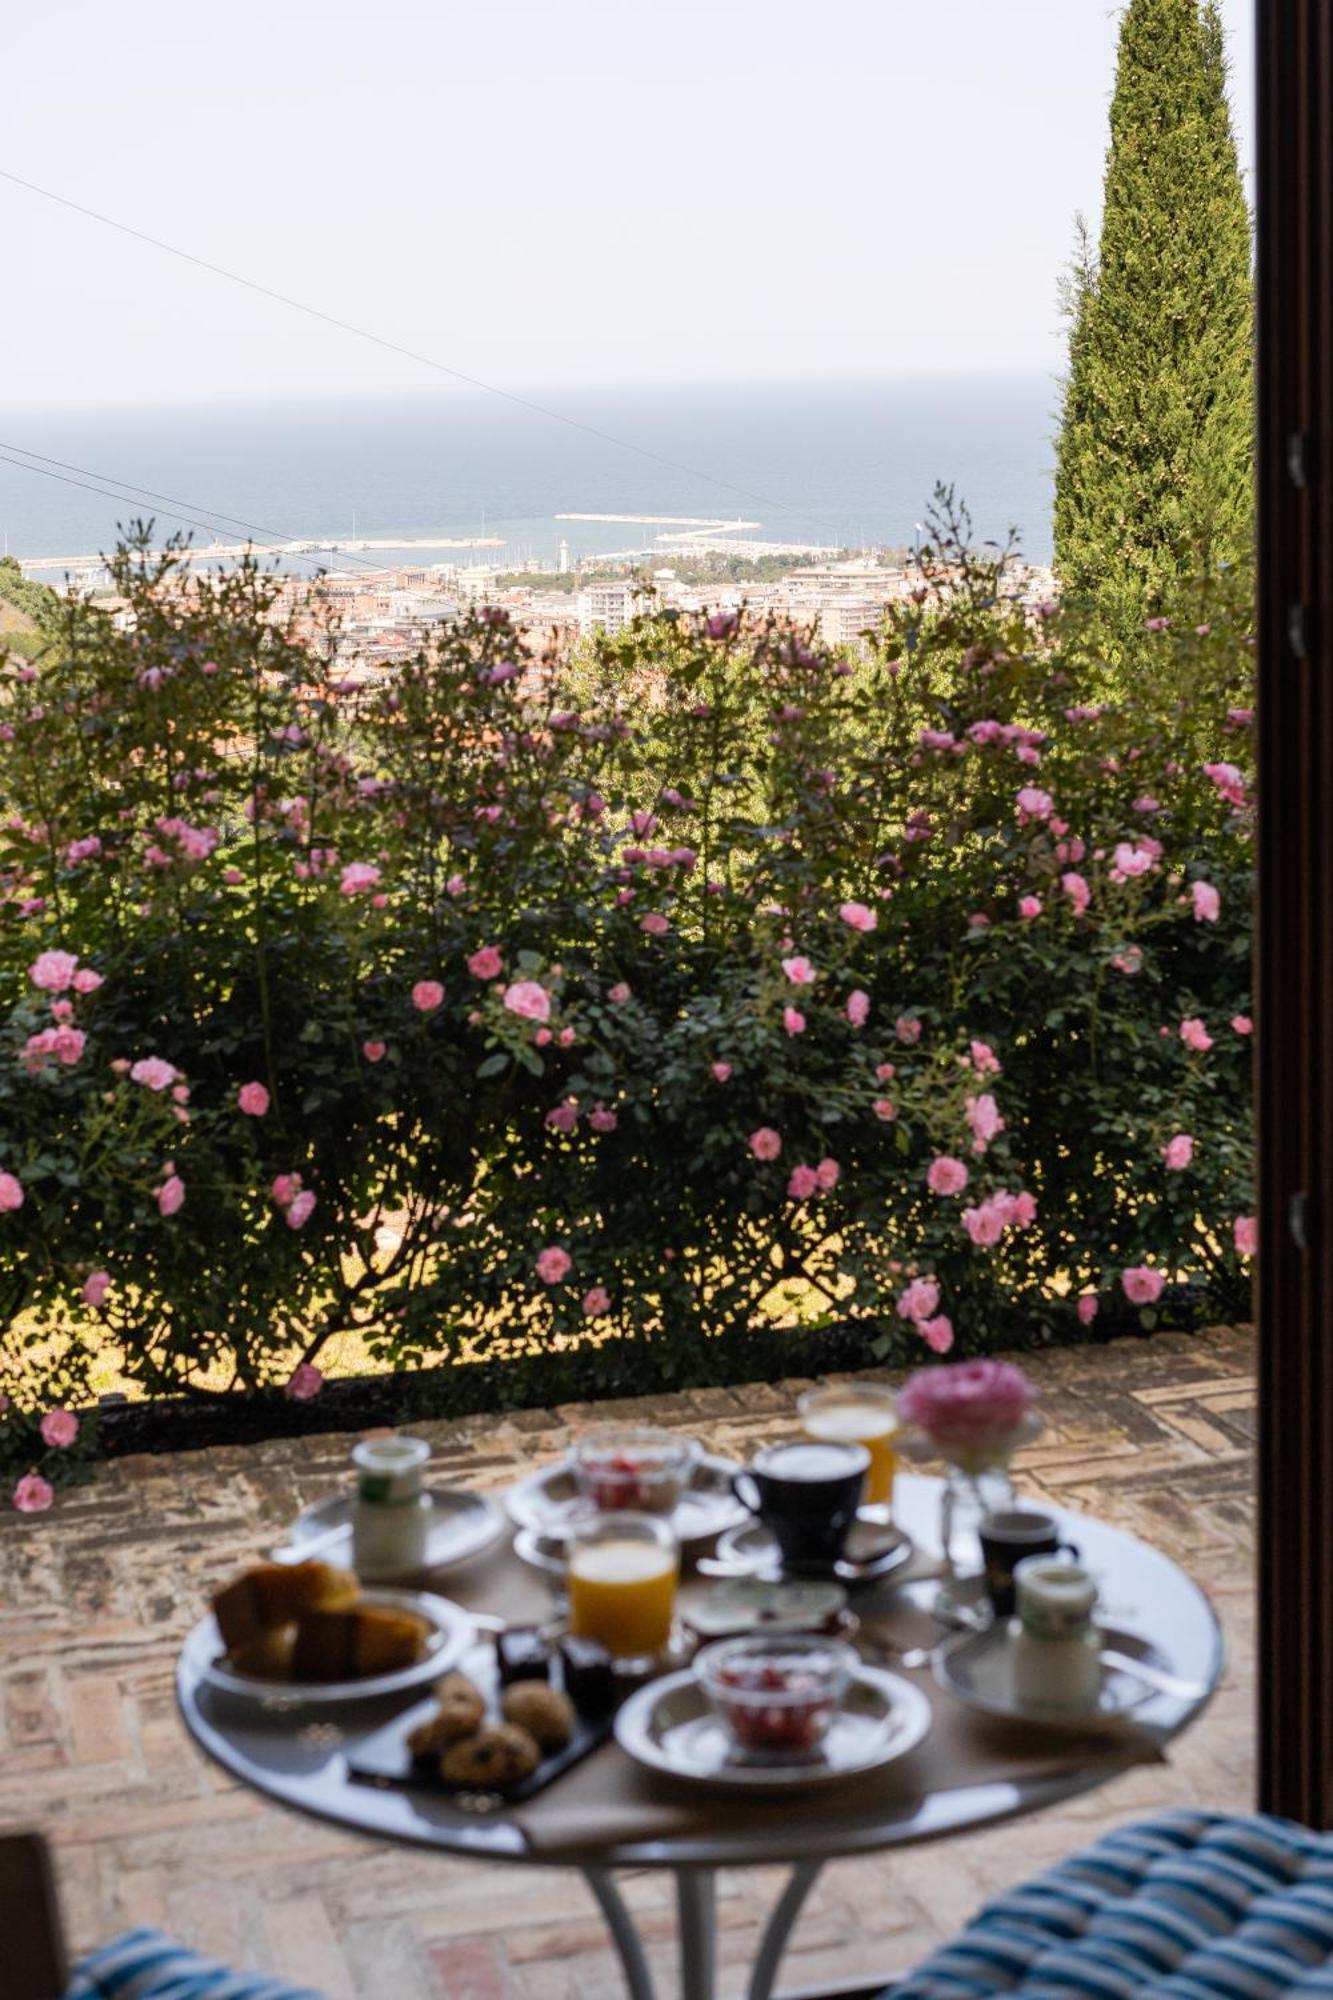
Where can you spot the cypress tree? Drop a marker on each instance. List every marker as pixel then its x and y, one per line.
pixel 1155 467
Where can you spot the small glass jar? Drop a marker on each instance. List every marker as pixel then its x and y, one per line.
pixel 391 1512
pixel 777 1693
pixel 1056 1649
pixel 623 1572
pixel 633 1468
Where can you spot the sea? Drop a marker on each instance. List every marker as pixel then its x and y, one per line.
pixel 828 464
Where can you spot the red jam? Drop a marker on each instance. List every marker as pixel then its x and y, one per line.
pixel 793 1723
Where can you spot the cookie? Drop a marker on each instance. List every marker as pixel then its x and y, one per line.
pixel 498 1755
pixel 543 1711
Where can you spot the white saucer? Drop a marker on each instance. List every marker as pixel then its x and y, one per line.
pixel 976 1668
pixel 671 1727
pixel 451 1633
pixel 874 1549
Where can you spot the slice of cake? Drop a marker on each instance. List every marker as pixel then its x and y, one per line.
pixel 275 1594
pixel 357 1644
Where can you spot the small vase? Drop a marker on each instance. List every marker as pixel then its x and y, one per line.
pixel 971 1492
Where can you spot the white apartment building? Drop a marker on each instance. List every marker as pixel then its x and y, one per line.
pixel 612 606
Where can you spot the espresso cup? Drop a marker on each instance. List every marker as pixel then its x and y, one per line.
pixel 1006 1539
pixel 806 1494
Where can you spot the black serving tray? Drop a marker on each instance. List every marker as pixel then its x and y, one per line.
pixel 384 1758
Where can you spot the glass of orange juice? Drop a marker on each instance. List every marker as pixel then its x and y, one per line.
pixel 623 1572
pixel 863 1413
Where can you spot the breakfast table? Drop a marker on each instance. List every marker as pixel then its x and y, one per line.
pixel 609 1813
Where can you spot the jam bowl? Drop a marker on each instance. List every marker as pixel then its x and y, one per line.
pixel 638 1469
pixel 776 1693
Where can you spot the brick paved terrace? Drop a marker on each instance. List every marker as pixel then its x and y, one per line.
pixel 94 1598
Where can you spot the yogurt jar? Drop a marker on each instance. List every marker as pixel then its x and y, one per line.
pixel 1055 1648
pixel 391 1511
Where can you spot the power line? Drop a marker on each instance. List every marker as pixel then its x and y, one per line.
pixel 390 346
pixel 134 494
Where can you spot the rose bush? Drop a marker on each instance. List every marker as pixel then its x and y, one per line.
pixel 494 1004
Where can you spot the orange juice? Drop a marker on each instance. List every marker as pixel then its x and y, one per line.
pixel 849 1420
pixel 623 1593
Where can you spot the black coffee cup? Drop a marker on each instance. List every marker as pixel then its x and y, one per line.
pixel 806 1495
pixel 1006 1538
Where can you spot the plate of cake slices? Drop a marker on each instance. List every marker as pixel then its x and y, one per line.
pixel 293 1634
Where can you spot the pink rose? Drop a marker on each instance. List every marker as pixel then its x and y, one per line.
pixel 86 980
pixel 374 1051
pixel 765 1143
pixel 803 1183
pixel 300 1209
pixel 858 1008
pixel 59 1428
pixel 427 995
pixel 1087 1308
pixel 1241 1024
pixel 986 1223
pixel 11 1193
pixel 885 1108
pixel 793 1020
pixel 618 994
pixel 908 1029
pixel 919 1300
pixel 1245 1236
pixel 1206 901
pixel 1029 906
pixel 529 1000
pixel 602 1118
pixel 983 1059
pixel 1178 1152
pixel 285 1189
pixel 1033 803
pixel 655 924
pixel 937 1332
pixel 858 916
pixel 304 1383
pixel 721 1071
pixel 799 970
pixel 828 1173
pixel 153 1073
pixel 1077 890
pixel 252 1099
pixel 946 1175
pixel 1143 1286
pixel 968 1406
pixel 596 1301
pixel 486 963
pixel 358 877
pixel 171 1195
pixel 983 1117
pixel 1195 1036
pixel 33 1494
pixel 563 1117
pixel 554 1265
pixel 95 1288
pixel 53 971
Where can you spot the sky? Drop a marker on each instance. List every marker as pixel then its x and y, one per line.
pixel 546 193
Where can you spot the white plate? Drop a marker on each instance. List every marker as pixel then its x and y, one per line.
pixel 461 1525
pixel 549 1499
pixel 977 1669
pixel 451 1633
pixel 670 1726
pixel 874 1549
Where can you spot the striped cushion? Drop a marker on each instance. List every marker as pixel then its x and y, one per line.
pixel 144 1965
pixel 1188 1906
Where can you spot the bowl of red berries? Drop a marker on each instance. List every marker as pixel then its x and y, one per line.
pixel 777 1693
pixel 636 1469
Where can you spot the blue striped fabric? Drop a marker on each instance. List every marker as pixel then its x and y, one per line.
pixel 1188 1906
pixel 144 1965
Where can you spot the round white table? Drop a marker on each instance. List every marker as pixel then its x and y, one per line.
pixel 302 1762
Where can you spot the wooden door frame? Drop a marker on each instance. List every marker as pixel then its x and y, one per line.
pixel 1294 75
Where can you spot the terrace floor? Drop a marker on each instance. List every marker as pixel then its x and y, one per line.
pixel 1154 1435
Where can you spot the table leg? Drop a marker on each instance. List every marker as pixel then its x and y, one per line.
pixel 779 1928
pixel 696 1897
pixel 625 1937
